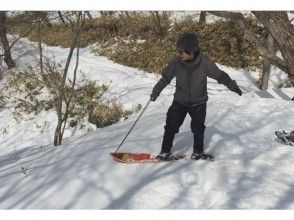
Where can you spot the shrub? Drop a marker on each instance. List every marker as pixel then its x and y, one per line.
pixel 223 41
pixel 102 115
pixel 32 92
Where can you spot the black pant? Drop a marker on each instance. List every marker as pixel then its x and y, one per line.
pixel 175 117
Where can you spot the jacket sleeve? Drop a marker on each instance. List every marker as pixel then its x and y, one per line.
pixel 168 74
pixel 220 76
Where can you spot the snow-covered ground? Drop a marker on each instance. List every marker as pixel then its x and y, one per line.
pixel 252 169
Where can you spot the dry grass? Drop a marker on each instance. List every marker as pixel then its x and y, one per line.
pixel 119 38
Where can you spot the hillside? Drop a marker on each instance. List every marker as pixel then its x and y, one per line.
pixel 252 169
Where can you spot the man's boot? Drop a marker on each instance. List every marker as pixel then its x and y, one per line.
pixel 166 146
pixel 198 148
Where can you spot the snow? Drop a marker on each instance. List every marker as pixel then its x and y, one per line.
pixel 252 169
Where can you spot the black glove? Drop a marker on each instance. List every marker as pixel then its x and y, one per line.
pixel 153 97
pixel 235 88
pixel 238 91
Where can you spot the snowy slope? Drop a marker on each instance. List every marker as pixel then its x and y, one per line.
pixel 252 170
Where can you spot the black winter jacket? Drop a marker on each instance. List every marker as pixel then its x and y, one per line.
pixel 191 79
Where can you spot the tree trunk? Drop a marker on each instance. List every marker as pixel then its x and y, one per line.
pixel 57 133
pixel 267 65
pixel 89 15
pixel 278 25
pixel 202 19
pixel 40 47
pixel 61 17
pixel 3 36
pixel 62 117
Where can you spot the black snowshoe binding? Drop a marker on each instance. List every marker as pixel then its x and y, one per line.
pixel 287 138
pixel 168 157
pixel 202 156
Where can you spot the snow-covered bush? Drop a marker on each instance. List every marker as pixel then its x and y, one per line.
pixel 31 92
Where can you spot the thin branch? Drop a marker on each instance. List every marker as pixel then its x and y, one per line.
pixel 22 36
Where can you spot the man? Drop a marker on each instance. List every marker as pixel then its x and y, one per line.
pixel 191 68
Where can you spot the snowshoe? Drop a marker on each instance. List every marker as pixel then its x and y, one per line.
pixel 286 138
pixel 169 157
pixel 202 156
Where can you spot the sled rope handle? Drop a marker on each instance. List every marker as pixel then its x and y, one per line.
pixel 143 110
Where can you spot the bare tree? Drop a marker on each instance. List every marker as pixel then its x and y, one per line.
pixel 279 27
pixel 202 18
pixel 31 21
pixel 89 15
pixel 61 17
pixel 3 37
pixel 63 112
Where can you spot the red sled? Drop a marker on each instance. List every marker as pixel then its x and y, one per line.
pixel 124 157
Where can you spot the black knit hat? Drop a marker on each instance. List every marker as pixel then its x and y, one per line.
pixel 188 42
